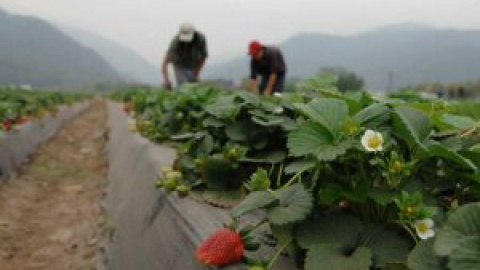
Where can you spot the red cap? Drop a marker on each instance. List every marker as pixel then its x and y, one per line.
pixel 254 48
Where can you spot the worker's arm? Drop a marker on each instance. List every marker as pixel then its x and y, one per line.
pixel 166 81
pixel 169 56
pixel 253 86
pixel 271 82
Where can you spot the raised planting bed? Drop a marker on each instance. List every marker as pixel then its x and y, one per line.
pixel 17 144
pixel 149 229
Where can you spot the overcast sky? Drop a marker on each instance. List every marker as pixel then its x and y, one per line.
pixel 147 26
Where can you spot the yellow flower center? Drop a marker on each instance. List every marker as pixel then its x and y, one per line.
pixel 397 166
pixel 422 227
pixel 409 211
pixel 374 142
pixel 351 129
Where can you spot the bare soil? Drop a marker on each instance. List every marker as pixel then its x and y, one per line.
pixel 50 216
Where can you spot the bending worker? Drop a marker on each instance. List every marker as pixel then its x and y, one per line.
pixel 187 53
pixel 267 61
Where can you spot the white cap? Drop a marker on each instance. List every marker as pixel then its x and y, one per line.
pixel 186 32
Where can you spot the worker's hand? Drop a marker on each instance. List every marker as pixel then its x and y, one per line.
pixel 168 85
pixel 268 91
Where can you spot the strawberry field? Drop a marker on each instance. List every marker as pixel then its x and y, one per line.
pixel 20 106
pixel 334 180
pixel 28 118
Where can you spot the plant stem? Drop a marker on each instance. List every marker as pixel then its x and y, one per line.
pixel 259 224
pixel 408 229
pixel 277 254
pixel 297 175
pixel 470 131
pixel 279 175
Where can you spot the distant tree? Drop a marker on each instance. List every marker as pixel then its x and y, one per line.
pixel 346 80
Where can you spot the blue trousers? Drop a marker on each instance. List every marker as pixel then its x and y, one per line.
pixel 277 87
pixel 183 75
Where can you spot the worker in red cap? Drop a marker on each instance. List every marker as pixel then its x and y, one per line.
pixel 268 62
pixel 187 53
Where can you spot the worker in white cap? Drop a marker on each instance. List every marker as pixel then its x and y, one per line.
pixel 187 53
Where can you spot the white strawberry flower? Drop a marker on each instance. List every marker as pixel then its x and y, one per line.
pixel 278 110
pixel 372 141
pixel 424 228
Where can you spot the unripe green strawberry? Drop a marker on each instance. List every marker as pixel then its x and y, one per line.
pixel 256 267
pixel 171 184
pixel 159 183
pixel 183 190
pixel 232 154
pixel 199 162
pixel 179 115
pixel 175 175
pixel 223 247
pixel 166 170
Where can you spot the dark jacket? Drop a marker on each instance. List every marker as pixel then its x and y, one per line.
pixel 188 54
pixel 271 62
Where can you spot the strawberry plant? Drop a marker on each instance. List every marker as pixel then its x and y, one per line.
pixel 18 107
pixel 342 181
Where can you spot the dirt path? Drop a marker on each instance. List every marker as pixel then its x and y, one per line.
pixel 50 214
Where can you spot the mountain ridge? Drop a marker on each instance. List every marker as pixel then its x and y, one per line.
pixel 387 58
pixel 34 52
pixel 126 61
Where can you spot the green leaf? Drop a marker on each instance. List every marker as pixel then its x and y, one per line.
pixel 300 165
pixel 260 141
pixel 259 181
pixel 453 143
pixel 224 108
pixel 295 204
pixel 207 144
pixel 249 98
pixel 237 132
pixel 313 139
pixel 221 198
pixel 337 229
pixel 475 148
pixel 213 122
pixel 422 257
pixel 289 124
pixel 466 256
pixel 182 137
pixel 387 246
pixel 373 115
pixel 325 257
pixel 284 234
pixel 254 201
pixel 437 150
pixel 272 157
pixel 379 196
pixel 331 113
pixel 330 194
pixel 413 125
pixel 461 224
pixel 460 122
pixel 273 121
pixel 220 174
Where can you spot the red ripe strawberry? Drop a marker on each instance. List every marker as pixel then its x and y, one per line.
pixel 21 121
pixel 126 108
pixel 7 125
pixel 221 248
